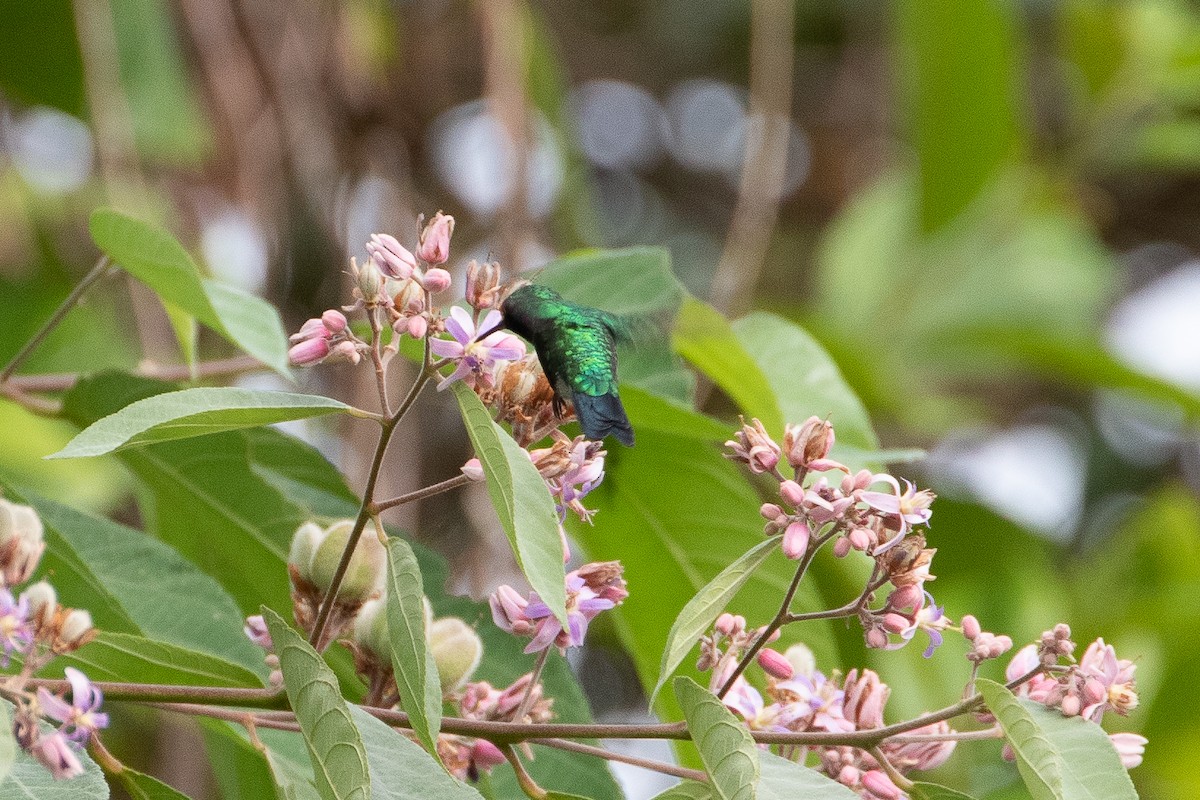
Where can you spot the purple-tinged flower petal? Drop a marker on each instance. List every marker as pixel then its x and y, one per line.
pixel 490 323
pixel 54 706
pixel 460 325
pixel 548 631
pixel 461 371
pixel 446 348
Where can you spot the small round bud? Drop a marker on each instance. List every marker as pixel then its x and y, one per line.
pixel 76 631
pixel 436 280
pixel 970 626
pixel 370 630
pixel 365 573
pixel 334 321
pixel 1070 706
pixel 876 638
pixel 792 492
pixel 841 548
pixel 43 602
pixel 485 755
pixel 457 650
pixel 770 511
pixel 895 623
pixel 305 541
pixel 21 542
pixel 369 280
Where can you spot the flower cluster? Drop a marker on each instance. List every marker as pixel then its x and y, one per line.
pixel 847 511
pixel 1098 683
pixel 36 628
pixel 590 589
pixel 800 698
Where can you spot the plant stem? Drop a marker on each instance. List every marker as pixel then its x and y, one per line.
pixel 535 676
pixel 365 509
pixel 63 381
pixel 781 617
pixel 420 494
pixel 57 317
pixel 524 779
pixel 609 755
pixel 377 358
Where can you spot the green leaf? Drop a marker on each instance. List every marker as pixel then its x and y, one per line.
pixel 634 280
pixel 251 323
pixel 156 259
pixel 1060 758
pixel 144 583
pixel 932 791
pixel 960 59
pixel 29 780
pixel 195 412
pixel 412 661
pixel 729 754
pixel 522 502
pixel 244 769
pixel 783 780
pixel 700 612
pixel 804 379
pixel 705 338
pixel 334 745
pixel 564 796
pixel 686 790
pixel 144 787
pixel 400 770
pixel 124 657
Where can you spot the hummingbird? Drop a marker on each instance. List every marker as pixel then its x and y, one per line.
pixel 577 348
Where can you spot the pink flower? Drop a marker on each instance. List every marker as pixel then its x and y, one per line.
pixel 911 506
pixel 80 718
pixel 1107 681
pixel 16 633
pixel 475 357
pixel 590 589
pixel 256 631
pixel 435 239
pixel 754 447
pixel 393 258
pixel 55 754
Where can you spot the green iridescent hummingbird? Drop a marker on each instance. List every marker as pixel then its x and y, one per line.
pixel 577 348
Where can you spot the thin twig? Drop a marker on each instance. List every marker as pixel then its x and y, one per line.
pixel 609 755
pixel 421 494
pixel 64 381
pixel 93 275
pixel 534 678
pixel 528 785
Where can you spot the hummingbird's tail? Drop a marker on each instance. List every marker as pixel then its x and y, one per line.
pixel 601 415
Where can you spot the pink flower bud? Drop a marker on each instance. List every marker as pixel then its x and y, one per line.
pixel 841 548
pixel 859 538
pixel 311 329
pixel 473 470
pixel 895 623
pixel 970 626
pixel 345 351
pixel 795 540
pixel 907 596
pixel 792 492
pixel 483 285
pixel 1001 645
pixel 775 664
pixel 1070 706
pixel 729 625
pixel 55 754
pixel 256 631
pixel 876 638
pixel 849 775
pixel 310 351
pixel 436 280
pixel 393 258
pixel 333 321
pixel 485 755
pixel 435 239
pixel 417 327
pixel 878 784
pixel 770 511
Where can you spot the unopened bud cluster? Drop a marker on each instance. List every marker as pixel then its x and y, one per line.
pixel 36 628
pixel 313 560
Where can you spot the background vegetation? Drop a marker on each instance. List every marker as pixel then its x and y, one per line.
pixel 986 211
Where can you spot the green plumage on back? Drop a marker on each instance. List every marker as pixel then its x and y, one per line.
pixel 576 346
